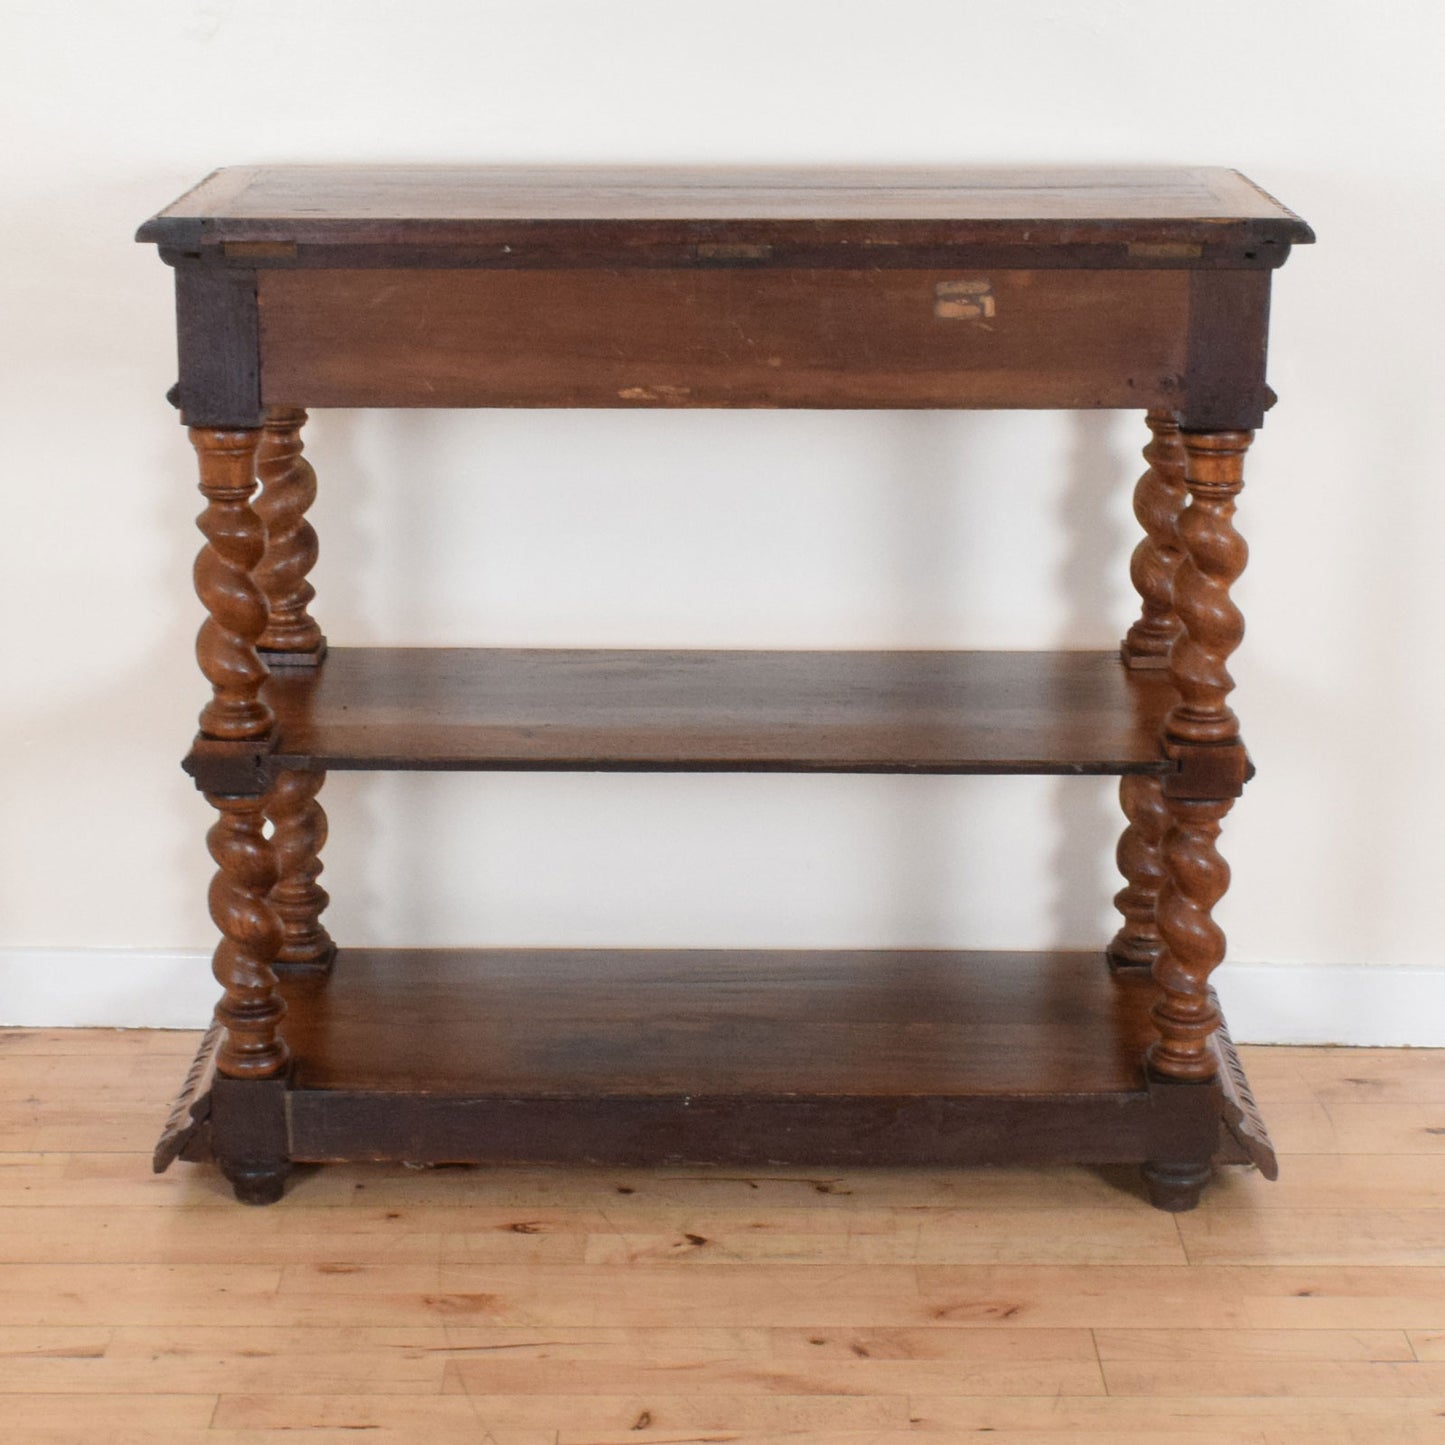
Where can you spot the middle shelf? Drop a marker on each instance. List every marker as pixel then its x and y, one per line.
pixel 720 711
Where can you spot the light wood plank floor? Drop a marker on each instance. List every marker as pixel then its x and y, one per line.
pixel 557 1307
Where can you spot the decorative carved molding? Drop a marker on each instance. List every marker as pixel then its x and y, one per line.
pixel 298 835
pixel 288 488
pixel 1137 944
pixel 1158 499
pixel 185 1135
pixel 1241 1113
pixel 235 542
pixel 251 935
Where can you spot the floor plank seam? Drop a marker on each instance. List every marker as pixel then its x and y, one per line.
pixel 1099 1363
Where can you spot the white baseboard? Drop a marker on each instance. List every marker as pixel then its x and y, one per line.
pixel 1266 1003
pixel 116 988
pixel 1340 1003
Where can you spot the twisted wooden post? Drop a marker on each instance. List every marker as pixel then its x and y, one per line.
pixel 251 934
pixel 298 835
pixel 1200 726
pixel 1159 497
pixel 1197 878
pixel 288 489
pixel 1137 943
pixel 292 638
pixel 235 541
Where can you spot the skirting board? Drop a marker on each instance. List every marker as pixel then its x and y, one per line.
pixel 1267 1003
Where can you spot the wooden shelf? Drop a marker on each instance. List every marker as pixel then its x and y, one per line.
pixel 407 287
pixel 878 1056
pixel 865 712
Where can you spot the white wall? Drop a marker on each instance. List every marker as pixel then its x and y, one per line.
pixel 746 529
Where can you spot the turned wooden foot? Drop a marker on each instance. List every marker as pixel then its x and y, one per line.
pixel 1175 1188
pixel 256 1181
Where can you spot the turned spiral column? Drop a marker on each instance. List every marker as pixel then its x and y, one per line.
pixel 251 936
pixel 1139 858
pixel 226 651
pixel 298 835
pixel 1159 497
pixel 1202 733
pixel 1197 878
pixel 288 488
pixel 292 638
pixel 236 606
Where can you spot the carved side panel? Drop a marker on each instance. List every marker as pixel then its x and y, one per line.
pixel 1241 1113
pixel 235 541
pixel 1137 944
pixel 1158 499
pixel 185 1135
pixel 251 935
pixel 298 835
pixel 288 488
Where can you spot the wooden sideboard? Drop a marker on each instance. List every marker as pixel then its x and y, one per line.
pixel 333 286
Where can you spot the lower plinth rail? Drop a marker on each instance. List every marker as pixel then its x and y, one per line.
pixel 652 1057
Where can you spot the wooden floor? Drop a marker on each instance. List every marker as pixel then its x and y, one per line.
pixel 556 1307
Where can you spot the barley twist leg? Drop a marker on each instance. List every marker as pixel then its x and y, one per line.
pixel 1158 499
pixel 288 490
pixel 298 835
pixel 236 606
pixel 250 1008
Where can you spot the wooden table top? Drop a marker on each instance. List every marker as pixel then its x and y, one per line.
pixel 320 204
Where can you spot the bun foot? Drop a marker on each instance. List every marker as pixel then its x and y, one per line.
pixel 257 1183
pixel 1176 1188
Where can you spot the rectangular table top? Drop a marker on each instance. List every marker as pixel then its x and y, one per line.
pixel 457 205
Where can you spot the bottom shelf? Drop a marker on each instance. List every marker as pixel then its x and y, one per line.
pixel 711 1056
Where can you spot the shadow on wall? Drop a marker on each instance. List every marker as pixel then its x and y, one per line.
pixel 923 537
pixel 1086 814
pixel 929 529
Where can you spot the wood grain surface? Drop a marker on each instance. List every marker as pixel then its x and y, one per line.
pixel 749 711
pixel 583 1306
pixel 887 1024
pixel 729 337
pixel 395 204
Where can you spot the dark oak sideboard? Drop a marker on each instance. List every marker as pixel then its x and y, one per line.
pixel 333 286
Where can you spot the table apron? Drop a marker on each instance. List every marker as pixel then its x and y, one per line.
pixel 725 338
